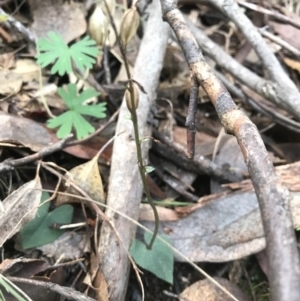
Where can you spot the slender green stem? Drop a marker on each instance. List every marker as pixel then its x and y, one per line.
pixel 134 119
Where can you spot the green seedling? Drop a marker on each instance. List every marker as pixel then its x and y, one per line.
pixel 73 117
pixel 55 51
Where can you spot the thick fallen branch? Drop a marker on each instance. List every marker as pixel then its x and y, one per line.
pixel 125 186
pixel 273 197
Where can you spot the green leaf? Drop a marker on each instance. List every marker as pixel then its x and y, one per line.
pixel 37 232
pixel 159 260
pixel 54 50
pixel 77 108
pixel 149 169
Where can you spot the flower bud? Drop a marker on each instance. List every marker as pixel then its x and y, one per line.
pixel 98 26
pixel 132 105
pixel 129 25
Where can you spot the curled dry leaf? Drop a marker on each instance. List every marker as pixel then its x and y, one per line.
pixel 87 177
pixel 19 131
pixel 23 267
pixel 19 208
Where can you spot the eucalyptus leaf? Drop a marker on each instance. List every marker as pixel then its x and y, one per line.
pixel 159 260
pixel 37 232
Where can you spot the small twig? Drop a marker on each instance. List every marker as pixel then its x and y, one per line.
pixel 11 164
pixel 190 120
pixel 279 41
pixel 89 78
pixel 175 184
pixel 64 264
pixel 67 292
pixel 259 107
pixel 174 154
pixel 278 16
pixel 28 34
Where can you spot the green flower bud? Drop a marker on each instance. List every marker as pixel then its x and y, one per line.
pixel 98 26
pixel 132 106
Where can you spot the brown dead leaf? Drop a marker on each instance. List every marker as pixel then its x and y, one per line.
pixel 230 157
pixel 19 208
pixel 27 69
pixel 225 229
pixel 101 287
pixel 10 82
pixel 18 131
pixel 63 17
pixel 287 32
pixel 22 267
pixel 205 290
pixel 289 176
pixel 89 149
pixel 87 177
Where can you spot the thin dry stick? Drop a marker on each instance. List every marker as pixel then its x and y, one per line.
pixel 279 41
pixel 11 22
pixel 273 197
pixel 171 152
pixel 11 164
pixel 278 16
pixel 67 292
pixel 259 107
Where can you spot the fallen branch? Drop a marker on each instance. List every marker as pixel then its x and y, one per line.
pixel 125 186
pixel 273 197
pixel 11 164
